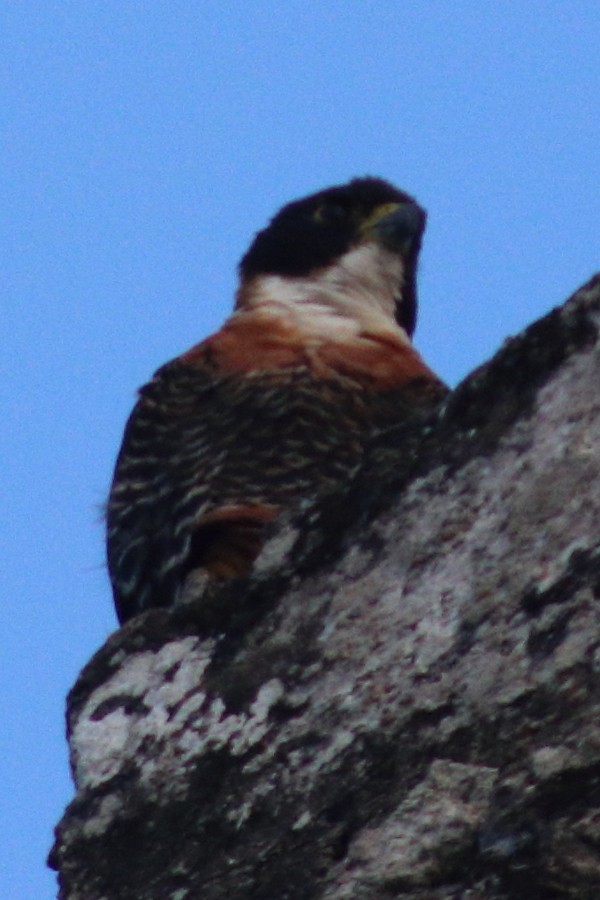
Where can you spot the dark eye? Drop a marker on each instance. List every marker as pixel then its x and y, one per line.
pixel 330 213
pixel 336 211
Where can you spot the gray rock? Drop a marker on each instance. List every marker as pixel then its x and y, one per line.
pixel 403 701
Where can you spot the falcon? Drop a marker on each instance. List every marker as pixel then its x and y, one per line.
pixel 279 405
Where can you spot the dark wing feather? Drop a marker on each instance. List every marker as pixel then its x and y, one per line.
pixel 197 443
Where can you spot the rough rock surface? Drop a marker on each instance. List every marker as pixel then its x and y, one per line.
pixel 403 702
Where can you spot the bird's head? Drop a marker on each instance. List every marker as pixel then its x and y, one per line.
pixel 352 248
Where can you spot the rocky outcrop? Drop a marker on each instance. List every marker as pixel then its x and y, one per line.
pixel 403 701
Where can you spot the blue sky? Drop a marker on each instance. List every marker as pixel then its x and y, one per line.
pixel 142 145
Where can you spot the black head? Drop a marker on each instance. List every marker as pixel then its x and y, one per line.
pixel 310 234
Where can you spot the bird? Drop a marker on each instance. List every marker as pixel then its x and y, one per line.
pixel 277 407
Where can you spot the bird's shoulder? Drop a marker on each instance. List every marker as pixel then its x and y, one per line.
pixel 261 366
pixel 255 343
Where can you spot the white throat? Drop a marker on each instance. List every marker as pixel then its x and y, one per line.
pixel 355 295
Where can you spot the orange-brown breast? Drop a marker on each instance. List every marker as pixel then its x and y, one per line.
pixel 252 343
